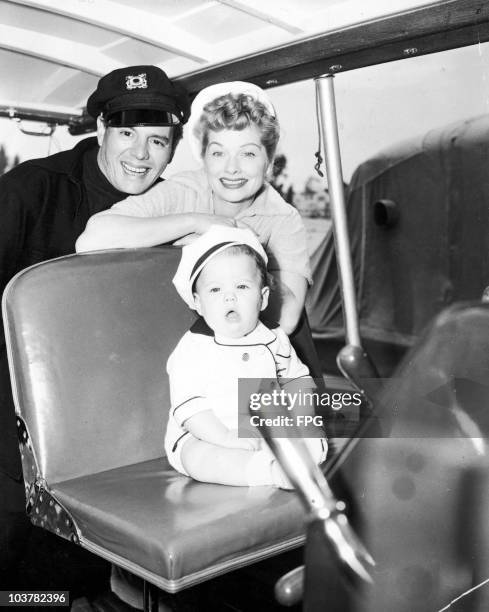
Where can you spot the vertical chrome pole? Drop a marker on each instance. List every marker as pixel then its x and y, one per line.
pixel 329 127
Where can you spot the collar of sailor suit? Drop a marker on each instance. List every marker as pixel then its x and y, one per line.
pixel 260 335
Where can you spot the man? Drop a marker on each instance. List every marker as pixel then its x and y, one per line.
pixel 44 206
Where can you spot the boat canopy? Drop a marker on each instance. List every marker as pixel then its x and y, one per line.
pixel 417 220
pixel 52 52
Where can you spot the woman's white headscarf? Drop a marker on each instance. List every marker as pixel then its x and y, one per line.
pixel 208 94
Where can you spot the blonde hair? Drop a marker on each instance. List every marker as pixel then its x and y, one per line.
pixel 237 112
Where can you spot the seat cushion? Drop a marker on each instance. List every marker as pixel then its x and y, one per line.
pixel 175 531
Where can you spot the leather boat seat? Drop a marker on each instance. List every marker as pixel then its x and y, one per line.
pixel 88 338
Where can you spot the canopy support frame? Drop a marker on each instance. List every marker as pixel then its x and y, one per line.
pixel 329 129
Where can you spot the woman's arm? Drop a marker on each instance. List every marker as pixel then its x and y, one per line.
pixel 288 263
pixel 168 211
pixel 287 300
pixel 111 230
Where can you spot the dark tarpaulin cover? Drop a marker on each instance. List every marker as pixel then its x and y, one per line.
pixel 436 254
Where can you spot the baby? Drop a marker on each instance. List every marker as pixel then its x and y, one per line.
pixel 223 276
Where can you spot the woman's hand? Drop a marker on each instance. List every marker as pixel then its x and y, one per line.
pixel 204 221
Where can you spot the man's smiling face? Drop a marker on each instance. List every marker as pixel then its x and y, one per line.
pixel 132 158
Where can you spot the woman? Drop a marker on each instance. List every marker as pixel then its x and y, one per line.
pixel 233 132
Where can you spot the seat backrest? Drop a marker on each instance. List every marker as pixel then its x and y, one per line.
pixel 88 338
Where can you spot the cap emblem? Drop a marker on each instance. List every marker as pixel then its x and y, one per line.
pixel 137 81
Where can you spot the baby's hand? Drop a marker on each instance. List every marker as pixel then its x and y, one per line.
pixel 233 441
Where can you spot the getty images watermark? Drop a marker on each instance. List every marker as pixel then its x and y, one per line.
pixel 440 405
pixel 290 408
pixel 301 405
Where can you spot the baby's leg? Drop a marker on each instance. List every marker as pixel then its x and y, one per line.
pixel 318 447
pixel 231 466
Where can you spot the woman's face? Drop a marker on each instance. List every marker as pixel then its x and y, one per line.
pixel 236 163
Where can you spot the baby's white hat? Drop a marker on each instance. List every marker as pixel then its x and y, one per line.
pixel 196 255
pixel 216 91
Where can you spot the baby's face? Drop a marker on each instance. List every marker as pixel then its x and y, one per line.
pixel 229 294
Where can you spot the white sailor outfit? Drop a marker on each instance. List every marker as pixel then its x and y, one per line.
pixel 204 370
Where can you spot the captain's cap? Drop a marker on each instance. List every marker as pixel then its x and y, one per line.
pixel 139 95
pixel 198 253
pixel 211 93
